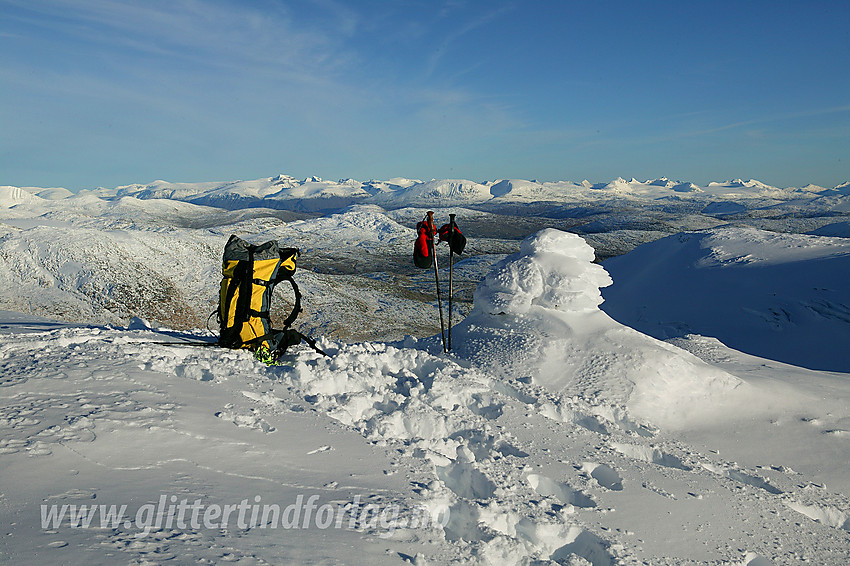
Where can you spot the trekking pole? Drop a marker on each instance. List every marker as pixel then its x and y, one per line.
pixel 312 344
pixel 432 230
pixel 451 273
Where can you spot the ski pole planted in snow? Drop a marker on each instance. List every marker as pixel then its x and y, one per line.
pixel 451 277
pixel 433 231
pixel 457 242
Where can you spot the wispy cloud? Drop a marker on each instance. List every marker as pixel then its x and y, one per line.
pixel 199 80
pixel 479 20
pixel 204 35
pixel 762 120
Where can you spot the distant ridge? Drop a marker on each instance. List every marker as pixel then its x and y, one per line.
pixel 314 194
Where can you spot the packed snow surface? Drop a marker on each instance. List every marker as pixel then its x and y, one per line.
pixel 552 434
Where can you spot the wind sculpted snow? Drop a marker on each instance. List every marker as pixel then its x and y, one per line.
pixel 558 387
pixel 536 317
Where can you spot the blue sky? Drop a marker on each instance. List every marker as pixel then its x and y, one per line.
pixel 108 92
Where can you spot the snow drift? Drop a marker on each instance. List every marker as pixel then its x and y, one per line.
pixel 536 318
pixel 538 368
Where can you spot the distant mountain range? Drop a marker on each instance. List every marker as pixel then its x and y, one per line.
pixel 313 194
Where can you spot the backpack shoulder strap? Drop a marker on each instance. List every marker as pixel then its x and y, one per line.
pixel 296 309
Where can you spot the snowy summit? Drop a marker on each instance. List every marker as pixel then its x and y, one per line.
pixel 649 409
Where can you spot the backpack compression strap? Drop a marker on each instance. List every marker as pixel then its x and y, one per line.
pixel 230 335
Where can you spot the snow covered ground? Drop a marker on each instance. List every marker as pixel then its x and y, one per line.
pixel 781 296
pixel 552 433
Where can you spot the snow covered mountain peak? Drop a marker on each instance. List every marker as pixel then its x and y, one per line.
pixel 11 196
pixel 686 188
pixel 313 194
pixel 442 192
pixel 740 183
pixel 282 180
pixel 523 191
pixel 619 185
pixel 841 190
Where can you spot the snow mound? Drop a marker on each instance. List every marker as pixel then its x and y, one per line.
pixel 553 270
pixel 536 320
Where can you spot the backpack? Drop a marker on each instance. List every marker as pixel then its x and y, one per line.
pixel 249 276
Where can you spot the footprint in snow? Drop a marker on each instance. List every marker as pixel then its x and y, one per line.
pixel 246 421
pixel 651 454
pixel 325 448
pixel 466 481
pixel 546 486
pixel 825 514
pixel 743 478
pixel 604 475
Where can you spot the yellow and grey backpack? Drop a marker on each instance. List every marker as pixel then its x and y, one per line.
pixel 249 276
